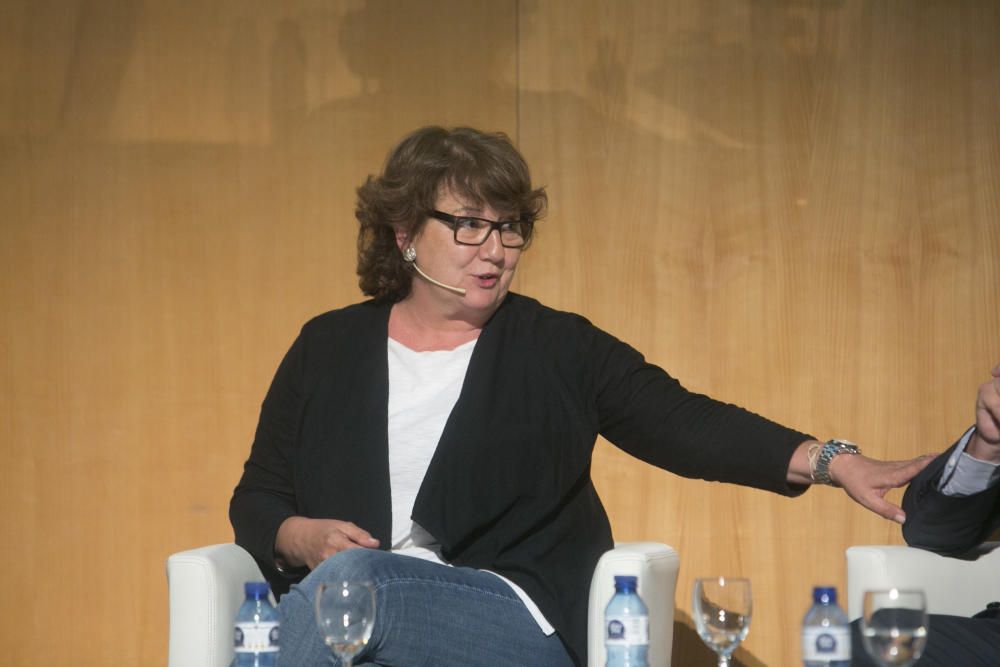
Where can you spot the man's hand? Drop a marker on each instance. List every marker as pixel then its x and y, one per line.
pixel 985 442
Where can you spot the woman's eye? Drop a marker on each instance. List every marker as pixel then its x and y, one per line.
pixel 469 223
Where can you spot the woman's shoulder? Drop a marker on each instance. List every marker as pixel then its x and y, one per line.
pixel 348 319
pixel 559 331
pixel 526 308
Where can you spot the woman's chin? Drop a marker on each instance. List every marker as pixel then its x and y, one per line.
pixel 485 298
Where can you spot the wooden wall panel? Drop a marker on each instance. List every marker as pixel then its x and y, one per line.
pixel 791 206
pixel 177 199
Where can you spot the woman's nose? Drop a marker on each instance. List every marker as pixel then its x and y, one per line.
pixel 492 248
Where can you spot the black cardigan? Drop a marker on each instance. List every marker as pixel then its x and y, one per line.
pixel 508 488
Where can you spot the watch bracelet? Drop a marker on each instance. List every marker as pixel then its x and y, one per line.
pixel 831 449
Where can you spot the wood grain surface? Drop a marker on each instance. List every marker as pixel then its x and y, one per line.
pixel 793 206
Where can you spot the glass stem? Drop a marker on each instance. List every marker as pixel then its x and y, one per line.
pixel 723 661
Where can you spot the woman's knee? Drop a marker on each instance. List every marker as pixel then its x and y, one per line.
pixel 351 565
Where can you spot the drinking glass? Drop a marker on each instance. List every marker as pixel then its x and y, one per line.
pixel 894 626
pixel 345 613
pixel 722 609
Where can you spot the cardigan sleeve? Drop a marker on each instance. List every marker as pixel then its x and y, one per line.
pixel 647 413
pixel 265 495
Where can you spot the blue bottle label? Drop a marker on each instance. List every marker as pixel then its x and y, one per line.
pixel 627 631
pixel 826 643
pixel 256 637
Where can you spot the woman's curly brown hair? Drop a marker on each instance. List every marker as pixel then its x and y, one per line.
pixel 484 168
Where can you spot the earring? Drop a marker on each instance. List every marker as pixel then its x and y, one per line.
pixel 410 254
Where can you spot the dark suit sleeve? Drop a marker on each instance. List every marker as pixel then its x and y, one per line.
pixel 947 525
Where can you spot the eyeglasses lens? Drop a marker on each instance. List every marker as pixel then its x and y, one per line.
pixel 475 232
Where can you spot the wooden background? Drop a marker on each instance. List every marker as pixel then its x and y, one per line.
pixel 792 205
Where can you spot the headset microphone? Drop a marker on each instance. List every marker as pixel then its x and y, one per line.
pixel 410 256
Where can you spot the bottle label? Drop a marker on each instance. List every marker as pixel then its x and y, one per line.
pixel 256 637
pixel 830 643
pixel 627 631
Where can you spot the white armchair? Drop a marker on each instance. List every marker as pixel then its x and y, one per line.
pixel 959 586
pixel 206 588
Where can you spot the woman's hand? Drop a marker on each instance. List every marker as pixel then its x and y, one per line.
pixel 309 542
pixel 867 480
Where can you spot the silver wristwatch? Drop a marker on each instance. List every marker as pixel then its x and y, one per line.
pixel 830 449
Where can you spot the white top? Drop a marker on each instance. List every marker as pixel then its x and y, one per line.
pixel 423 390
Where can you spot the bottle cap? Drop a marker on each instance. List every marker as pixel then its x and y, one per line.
pixel 825 595
pixel 625 582
pixel 257 590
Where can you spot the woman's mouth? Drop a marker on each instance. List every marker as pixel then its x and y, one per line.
pixel 487 280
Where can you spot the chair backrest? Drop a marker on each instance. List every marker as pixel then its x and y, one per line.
pixel 656 566
pixel 206 590
pixel 958 586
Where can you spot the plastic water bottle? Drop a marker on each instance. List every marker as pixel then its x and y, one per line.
pixel 255 635
pixel 626 626
pixel 826 632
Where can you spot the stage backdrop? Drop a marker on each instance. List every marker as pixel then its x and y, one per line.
pixel 789 205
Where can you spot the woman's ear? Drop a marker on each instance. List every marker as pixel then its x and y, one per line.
pixel 402 238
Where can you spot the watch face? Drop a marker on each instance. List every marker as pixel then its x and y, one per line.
pixel 834 447
pixel 846 444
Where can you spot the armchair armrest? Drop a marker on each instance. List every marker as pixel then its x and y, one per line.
pixel 656 566
pixel 206 589
pixel 959 586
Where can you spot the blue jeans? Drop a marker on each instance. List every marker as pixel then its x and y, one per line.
pixel 425 614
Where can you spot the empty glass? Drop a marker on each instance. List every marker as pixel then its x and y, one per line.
pixel 894 626
pixel 345 613
pixel 722 608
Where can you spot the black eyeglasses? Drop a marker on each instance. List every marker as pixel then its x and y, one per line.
pixel 474 231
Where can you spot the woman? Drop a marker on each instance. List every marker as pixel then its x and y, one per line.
pixel 437 439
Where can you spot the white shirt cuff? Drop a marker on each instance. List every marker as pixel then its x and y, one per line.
pixel 964 475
